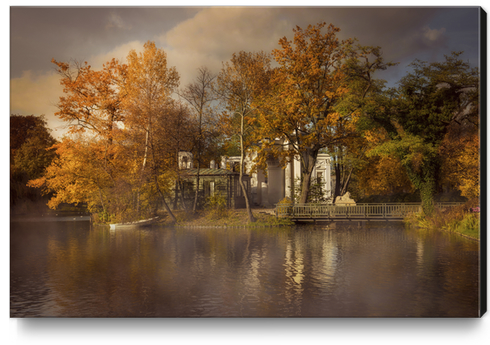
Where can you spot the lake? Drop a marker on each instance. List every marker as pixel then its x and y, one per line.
pixel 380 269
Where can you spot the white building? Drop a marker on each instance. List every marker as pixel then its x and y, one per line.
pixel 272 186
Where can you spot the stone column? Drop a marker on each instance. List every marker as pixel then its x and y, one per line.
pixel 276 182
pixel 260 180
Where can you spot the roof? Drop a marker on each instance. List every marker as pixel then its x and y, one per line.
pixel 209 172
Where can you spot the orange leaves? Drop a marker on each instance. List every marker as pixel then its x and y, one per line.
pixel 109 164
pixel 306 87
pixel 91 100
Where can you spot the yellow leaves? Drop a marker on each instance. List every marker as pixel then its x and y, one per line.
pixel 374 137
pixel 461 164
pixel 37 183
pixel 469 167
pixel 148 84
pixel 384 175
pixel 240 84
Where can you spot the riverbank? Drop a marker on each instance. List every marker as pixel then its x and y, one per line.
pixel 228 218
pixel 460 220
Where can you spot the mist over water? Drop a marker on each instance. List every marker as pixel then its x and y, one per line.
pixel 73 269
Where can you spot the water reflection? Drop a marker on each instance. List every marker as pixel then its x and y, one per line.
pixel 73 269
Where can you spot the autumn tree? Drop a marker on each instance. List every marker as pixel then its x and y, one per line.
pixel 418 116
pixel 92 98
pixel 467 170
pixel 116 159
pixel 30 143
pixel 200 96
pixel 77 175
pixel 306 90
pixel 348 155
pixel 238 84
pixel 86 165
pixel 92 102
pixel 148 85
pixel 30 152
pixel 177 130
pixel 85 168
pixel 460 156
pixel 383 175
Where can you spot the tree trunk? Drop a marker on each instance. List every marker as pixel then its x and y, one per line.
pixel 251 217
pixel 165 205
pixel 176 195
pixel 307 164
pixel 337 188
pixel 196 194
pixel 181 189
pixel 194 207
pixel 341 181
pixel 345 183
pixel 427 189
pixel 424 179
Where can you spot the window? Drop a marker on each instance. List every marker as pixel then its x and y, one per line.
pixel 319 177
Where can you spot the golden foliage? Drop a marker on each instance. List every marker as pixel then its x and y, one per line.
pixel 461 164
pixel 91 98
pixel 384 175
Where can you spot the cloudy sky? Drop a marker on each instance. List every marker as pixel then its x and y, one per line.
pixel 207 36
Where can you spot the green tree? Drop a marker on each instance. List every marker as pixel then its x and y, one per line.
pixel 30 153
pixel 348 155
pixel 418 114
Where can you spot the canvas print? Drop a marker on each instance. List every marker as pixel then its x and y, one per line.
pixel 246 162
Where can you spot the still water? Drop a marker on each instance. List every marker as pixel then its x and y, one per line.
pixel 75 269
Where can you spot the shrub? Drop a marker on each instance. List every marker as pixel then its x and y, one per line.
pixel 217 206
pixel 316 194
pixel 454 219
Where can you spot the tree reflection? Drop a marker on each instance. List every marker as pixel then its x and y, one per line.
pixel 371 270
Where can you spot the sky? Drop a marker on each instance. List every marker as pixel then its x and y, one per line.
pixel 207 36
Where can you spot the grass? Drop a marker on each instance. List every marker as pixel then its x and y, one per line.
pixel 455 219
pixel 468 226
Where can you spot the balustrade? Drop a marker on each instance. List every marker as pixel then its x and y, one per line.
pixel 357 211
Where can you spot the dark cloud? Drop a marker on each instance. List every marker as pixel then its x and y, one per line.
pixel 193 37
pixel 38 34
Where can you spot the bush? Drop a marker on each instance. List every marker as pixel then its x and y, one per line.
pixel 457 219
pixel 469 225
pixel 217 206
pixel 316 194
pixel 286 201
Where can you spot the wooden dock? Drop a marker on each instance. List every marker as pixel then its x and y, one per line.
pixel 357 212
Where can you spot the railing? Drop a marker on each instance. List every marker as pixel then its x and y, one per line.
pixel 355 211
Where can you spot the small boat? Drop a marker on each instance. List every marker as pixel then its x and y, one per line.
pixel 136 224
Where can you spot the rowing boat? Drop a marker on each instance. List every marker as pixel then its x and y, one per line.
pixel 137 224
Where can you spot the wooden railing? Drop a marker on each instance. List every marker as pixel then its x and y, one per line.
pixel 357 211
